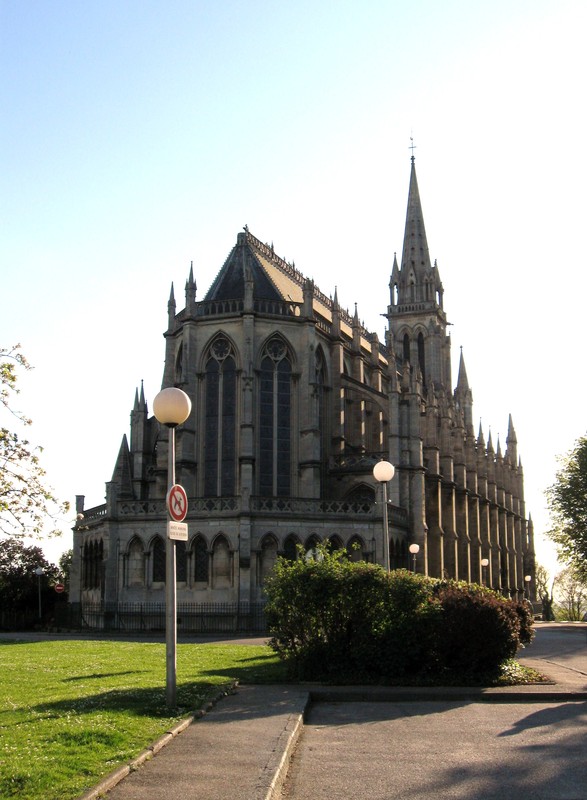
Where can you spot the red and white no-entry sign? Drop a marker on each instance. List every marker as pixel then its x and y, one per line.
pixel 177 503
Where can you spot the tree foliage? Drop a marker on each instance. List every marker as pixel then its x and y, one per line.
pixel 27 504
pixel 19 584
pixel 567 500
pixel 544 592
pixel 571 594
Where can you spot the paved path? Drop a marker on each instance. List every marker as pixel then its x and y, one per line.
pixel 459 750
pixel 526 743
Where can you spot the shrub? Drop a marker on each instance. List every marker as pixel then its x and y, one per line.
pixel 526 614
pixel 339 621
pixel 321 614
pixel 478 631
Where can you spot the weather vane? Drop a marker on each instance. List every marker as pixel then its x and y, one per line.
pixel 412 147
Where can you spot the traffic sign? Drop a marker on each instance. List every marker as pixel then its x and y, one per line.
pixel 177 531
pixel 59 587
pixel 177 503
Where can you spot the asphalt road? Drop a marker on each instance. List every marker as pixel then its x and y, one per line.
pixel 448 749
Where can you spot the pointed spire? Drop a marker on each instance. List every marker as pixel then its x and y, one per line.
pixel 142 401
pixel 190 289
pixel 490 443
pixel 122 474
pixel 415 253
pixel 171 308
pixel 511 432
pixel 480 438
pixel 462 381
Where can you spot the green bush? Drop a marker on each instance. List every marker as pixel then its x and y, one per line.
pixel 339 621
pixel 478 631
pixel 321 614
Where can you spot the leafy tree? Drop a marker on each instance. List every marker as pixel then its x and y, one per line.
pixel 26 502
pixel 567 500
pixel 571 592
pixel 19 584
pixel 544 592
pixel 65 562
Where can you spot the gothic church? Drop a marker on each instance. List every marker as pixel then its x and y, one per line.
pixel 293 403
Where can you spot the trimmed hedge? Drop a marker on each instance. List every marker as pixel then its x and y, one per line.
pixel 339 621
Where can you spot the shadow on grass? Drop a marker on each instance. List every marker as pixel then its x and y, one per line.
pixel 151 701
pixel 142 702
pixel 97 675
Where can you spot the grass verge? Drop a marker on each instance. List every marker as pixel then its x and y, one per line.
pixel 73 711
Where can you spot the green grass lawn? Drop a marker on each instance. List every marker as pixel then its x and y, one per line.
pixel 73 711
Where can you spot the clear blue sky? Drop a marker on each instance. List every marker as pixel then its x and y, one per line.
pixel 138 136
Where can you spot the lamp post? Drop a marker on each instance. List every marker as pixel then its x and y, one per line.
pixel 527 579
pixel 39 572
pixel 484 565
pixel 171 407
pixel 383 472
pixel 414 550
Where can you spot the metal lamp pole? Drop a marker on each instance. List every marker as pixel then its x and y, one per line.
pixel 39 572
pixel 414 550
pixel 484 565
pixel 527 579
pixel 383 472
pixel 171 407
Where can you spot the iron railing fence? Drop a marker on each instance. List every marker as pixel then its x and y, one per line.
pixel 192 618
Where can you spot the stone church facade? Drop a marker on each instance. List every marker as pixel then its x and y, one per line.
pixel 293 403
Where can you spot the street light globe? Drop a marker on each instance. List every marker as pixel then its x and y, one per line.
pixel 527 578
pixel 484 562
pixel 414 548
pixel 39 571
pixel 172 406
pixel 383 471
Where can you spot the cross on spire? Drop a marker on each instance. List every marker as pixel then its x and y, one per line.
pixel 412 147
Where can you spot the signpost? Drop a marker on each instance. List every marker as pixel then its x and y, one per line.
pixel 59 587
pixel 177 503
pixel 177 531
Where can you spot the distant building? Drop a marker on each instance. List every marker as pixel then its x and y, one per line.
pixel 294 402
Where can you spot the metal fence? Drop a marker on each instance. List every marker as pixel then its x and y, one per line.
pixel 192 618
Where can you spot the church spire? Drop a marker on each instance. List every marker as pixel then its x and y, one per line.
pixel 415 255
pixel 417 321
pixel 462 381
pixel 190 290
pixel 464 396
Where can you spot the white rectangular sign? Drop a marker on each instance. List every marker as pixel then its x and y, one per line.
pixel 177 530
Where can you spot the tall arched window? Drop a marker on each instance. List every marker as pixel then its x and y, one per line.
pixel 221 563
pixel 421 355
pixel 356 549
pixel 220 412
pixel 323 427
pixel 200 560
pixel 179 364
pixel 290 548
pixel 92 566
pixel 267 557
pixel 181 559
pixel 135 564
pixel 158 572
pixel 406 347
pixel 275 420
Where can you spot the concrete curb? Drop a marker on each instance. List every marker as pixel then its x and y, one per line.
pixel 275 771
pixel 383 695
pixel 111 780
